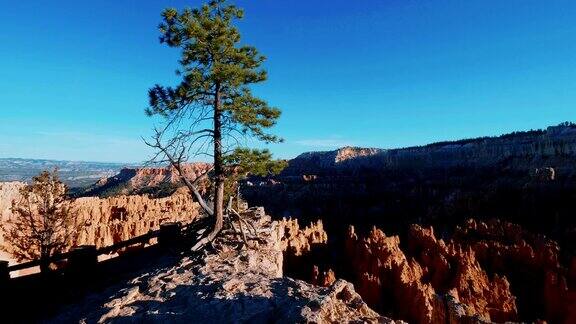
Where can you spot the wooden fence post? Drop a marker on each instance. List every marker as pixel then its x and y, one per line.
pixel 83 258
pixel 4 273
pixel 170 234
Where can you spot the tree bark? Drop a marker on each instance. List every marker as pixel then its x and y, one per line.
pixel 44 264
pixel 219 176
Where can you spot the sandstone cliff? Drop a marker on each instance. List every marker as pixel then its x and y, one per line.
pixel 106 221
pixel 432 282
pixel 526 178
pixel 555 145
pixel 297 241
pixel 158 181
pixel 303 249
pixel 9 192
pixel 341 158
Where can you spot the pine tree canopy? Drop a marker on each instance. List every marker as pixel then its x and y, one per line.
pixel 212 111
pixel 214 67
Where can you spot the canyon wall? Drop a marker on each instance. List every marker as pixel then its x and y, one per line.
pixel 157 181
pixel 554 146
pixel 524 177
pixel 303 250
pixel 484 269
pixel 543 279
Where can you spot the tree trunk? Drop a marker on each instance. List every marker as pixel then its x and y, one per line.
pixel 44 263
pixel 44 266
pixel 219 176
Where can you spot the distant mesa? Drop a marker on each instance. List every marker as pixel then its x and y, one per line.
pixel 526 150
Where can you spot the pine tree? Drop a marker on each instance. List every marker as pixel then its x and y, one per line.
pixel 212 111
pixel 42 225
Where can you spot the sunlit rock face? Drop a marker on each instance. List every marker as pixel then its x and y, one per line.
pixel 303 249
pixel 9 192
pixel 439 282
pixel 298 241
pixel 314 162
pixel 491 271
pixel 526 178
pixel 106 221
pixel 160 181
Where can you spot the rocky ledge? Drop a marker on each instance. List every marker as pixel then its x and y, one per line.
pixel 230 283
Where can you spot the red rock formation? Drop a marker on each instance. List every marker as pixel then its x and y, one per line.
pixel 347 153
pixel 413 287
pixel 322 278
pixel 385 278
pixel 106 221
pixel 298 241
pixel 450 266
pixel 303 249
pixel 150 177
pixel 545 287
pixel 132 181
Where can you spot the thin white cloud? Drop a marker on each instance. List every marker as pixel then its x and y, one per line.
pixel 324 142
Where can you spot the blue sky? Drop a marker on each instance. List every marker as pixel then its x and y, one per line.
pixel 391 73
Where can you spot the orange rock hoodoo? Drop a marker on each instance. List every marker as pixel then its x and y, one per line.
pixel 545 287
pixel 493 271
pixel 301 250
pixel 298 241
pixel 442 283
pixel 322 278
pixel 106 221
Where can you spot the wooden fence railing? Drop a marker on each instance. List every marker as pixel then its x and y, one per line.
pixel 168 235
